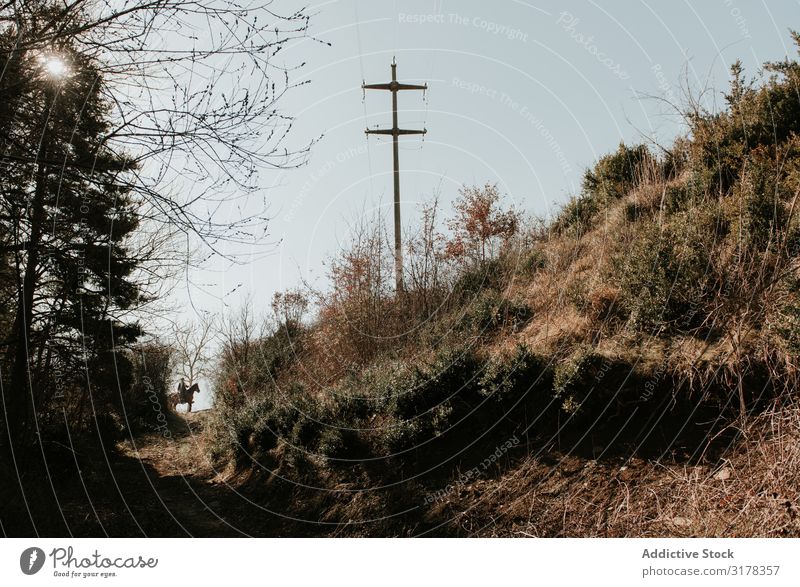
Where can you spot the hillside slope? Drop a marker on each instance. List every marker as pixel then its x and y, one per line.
pixel 628 369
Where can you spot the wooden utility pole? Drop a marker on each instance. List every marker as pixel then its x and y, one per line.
pixel 394 87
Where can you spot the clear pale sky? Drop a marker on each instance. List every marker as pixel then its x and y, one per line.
pixel 525 94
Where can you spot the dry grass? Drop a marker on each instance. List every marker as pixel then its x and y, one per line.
pixel 753 492
pixel 647 289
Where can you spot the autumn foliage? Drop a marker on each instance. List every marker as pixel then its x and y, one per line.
pixel 480 226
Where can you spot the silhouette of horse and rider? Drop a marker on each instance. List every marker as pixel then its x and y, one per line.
pixel 184 395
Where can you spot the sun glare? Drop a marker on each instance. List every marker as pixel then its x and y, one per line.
pixel 55 66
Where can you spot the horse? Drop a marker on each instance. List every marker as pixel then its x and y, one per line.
pixel 184 395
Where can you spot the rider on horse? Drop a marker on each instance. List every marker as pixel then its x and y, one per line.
pixel 184 395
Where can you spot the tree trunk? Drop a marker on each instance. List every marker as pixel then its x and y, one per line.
pixel 21 401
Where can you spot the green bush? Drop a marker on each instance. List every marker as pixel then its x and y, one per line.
pixel 616 174
pixel 278 350
pixel 578 214
pixel 235 428
pixel 763 192
pixel 350 404
pixel 577 293
pixel 532 262
pixel 609 180
pixel 432 398
pixel 450 374
pixel 268 430
pixel 507 379
pixel 642 280
pixel 586 382
pixel 490 310
pixel 470 282
pixel 399 436
pixel 762 117
pixel 789 329
pixel 633 211
pixel 664 274
pixel 306 431
pixel 332 443
pixel 687 194
pixel 261 422
pixel 145 401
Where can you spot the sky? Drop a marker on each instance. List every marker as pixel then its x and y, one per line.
pixel 522 94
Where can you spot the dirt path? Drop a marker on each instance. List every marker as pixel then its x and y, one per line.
pixel 170 488
pixel 156 486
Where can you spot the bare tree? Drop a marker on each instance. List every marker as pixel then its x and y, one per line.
pixel 426 267
pixel 240 333
pixel 289 307
pixel 193 342
pixel 195 90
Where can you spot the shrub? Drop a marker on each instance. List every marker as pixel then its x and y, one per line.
pixel 306 431
pixel 492 310
pixel 277 350
pixel 587 381
pixel 576 292
pixel 359 317
pixel 633 211
pixel 431 398
pixel 612 177
pixel 349 404
pixel 762 192
pixel 662 275
pixel 577 214
pixel 684 195
pixel 507 379
pixel 616 174
pixel 531 262
pixel 451 374
pixel 473 280
pixel 260 422
pixel 269 429
pixel 400 435
pixel 481 227
pixel 332 443
pixel 145 401
pixel 235 429
pixel 535 260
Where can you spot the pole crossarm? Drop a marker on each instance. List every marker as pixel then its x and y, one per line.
pixel 395 131
pixel 394 86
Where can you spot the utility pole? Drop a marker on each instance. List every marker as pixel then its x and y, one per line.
pixel 394 87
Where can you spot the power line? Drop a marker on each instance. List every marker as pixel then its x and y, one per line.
pixel 363 99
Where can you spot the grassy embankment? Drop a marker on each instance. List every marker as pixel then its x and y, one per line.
pixel 628 369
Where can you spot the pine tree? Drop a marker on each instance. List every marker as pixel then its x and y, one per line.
pixel 67 215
